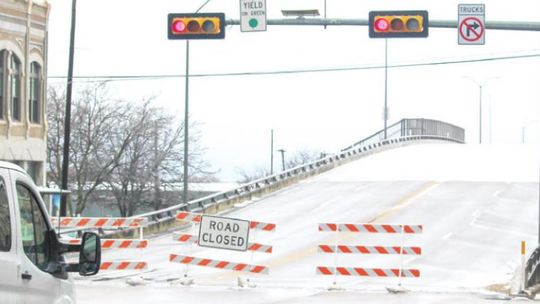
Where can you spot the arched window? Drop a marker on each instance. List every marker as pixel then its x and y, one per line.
pixel 2 92
pixel 15 80
pixel 35 93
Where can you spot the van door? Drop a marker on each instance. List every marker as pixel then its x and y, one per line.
pixel 34 254
pixel 10 290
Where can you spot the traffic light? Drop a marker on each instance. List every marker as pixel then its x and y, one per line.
pixel 196 26
pixel 397 24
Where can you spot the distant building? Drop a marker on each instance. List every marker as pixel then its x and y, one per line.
pixel 23 66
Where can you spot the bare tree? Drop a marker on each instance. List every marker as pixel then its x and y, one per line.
pixel 303 157
pixel 131 151
pixel 101 131
pixel 249 176
pixel 153 157
pixel 55 119
pixel 300 157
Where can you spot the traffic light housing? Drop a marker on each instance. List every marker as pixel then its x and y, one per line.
pixel 196 26
pixel 398 24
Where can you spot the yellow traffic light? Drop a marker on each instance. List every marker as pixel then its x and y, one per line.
pixel 196 26
pixel 395 24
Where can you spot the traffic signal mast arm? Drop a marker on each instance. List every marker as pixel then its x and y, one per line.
pixel 493 25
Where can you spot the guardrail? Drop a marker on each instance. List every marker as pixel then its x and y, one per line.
pixel 413 127
pixel 404 132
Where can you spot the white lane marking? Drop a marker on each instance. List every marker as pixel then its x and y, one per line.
pixel 447 236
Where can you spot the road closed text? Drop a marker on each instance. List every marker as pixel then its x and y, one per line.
pixel 219 239
pixel 224 233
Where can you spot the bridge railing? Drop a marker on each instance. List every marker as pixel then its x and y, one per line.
pixel 405 131
pixel 414 127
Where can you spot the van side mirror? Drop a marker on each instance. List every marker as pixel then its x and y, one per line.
pixel 90 254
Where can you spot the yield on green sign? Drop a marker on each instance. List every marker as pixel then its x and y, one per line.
pixel 252 15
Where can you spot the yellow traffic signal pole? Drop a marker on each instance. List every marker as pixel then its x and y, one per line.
pixel 490 25
pixel 186 127
pixel 385 87
pixel 186 119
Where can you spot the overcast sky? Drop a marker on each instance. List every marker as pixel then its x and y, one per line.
pixel 323 111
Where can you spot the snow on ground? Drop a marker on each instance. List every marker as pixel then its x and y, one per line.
pixel 477 203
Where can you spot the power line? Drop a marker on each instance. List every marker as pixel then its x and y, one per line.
pixel 298 71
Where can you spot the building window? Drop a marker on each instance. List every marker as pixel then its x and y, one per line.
pixel 2 73
pixel 15 88
pixel 35 93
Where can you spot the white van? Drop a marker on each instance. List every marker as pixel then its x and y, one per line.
pixel 32 265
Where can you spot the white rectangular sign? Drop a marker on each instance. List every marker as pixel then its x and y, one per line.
pixel 252 15
pixel 471 24
pixel 223 233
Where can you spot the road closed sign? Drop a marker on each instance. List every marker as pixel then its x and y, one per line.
pixel 223 233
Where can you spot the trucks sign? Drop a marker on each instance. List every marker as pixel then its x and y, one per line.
pixel 223 233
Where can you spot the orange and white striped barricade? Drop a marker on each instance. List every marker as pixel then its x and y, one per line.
pixel 370 249
pixel 123 265
pixel 196 218
pixel 175 258
pixel 115 243
pixel 253 247
pixel 368 272
pixel 109 223
pixel 192 239
pixel 360 249
pixel 99 222
pixel 118 244
pixel 372 228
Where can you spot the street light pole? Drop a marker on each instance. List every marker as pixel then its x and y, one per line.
pixel 186 126
pixel 480 85
pixel 272 152
pixel 186 119
pixel 480 113
pixel 385 86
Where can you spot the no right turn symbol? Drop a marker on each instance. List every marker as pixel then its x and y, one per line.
pixel 471 29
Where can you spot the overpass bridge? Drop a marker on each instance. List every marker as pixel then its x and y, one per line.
pixel 403 133
pixel 476 204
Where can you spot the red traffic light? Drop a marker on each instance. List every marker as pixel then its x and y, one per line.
pixel 381 25
pixel 395 24
pixel 196 26
pixel 178 26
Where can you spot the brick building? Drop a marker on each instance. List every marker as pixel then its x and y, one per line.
pixel 23 68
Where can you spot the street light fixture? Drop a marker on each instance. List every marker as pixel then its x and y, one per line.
pixel 480 86
pixel 300 14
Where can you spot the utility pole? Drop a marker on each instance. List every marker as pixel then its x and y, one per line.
pixel 282 158
pixel 186 127
pixel 186 119
pixel 67 119
pixel 272 152
pixel 385 87
pixel 480 128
